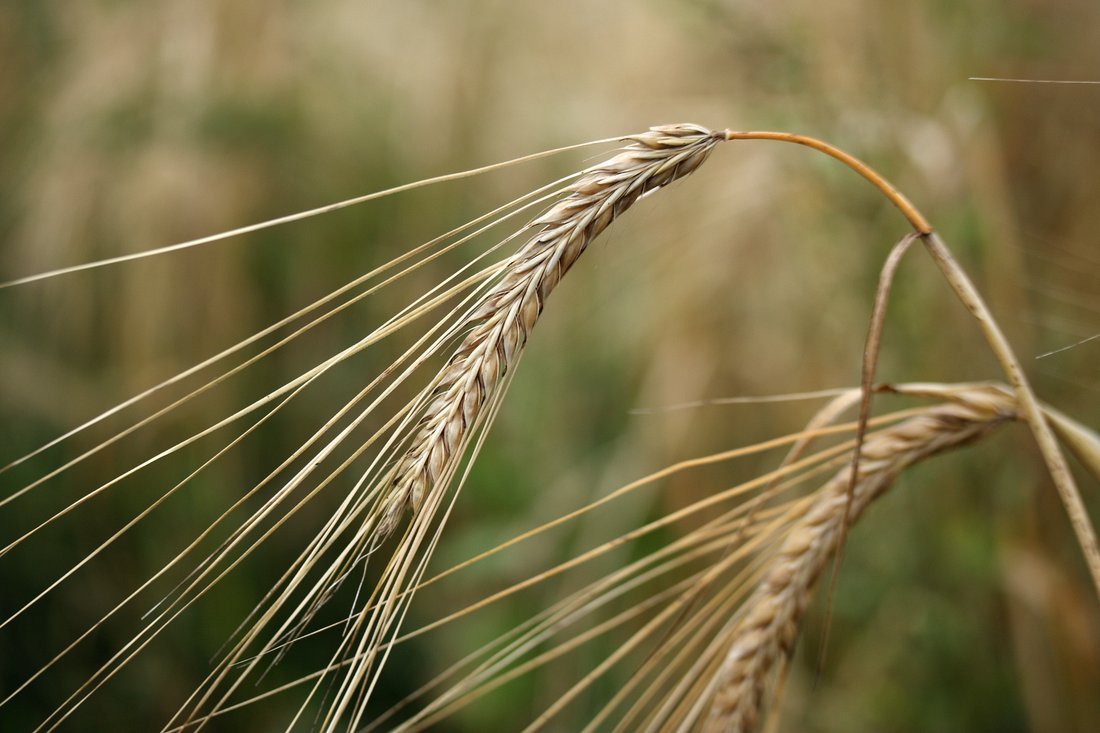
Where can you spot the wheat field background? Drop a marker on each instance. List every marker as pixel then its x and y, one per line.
pixel 962 603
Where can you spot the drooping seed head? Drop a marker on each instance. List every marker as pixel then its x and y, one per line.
pixel 768 629
pixel 500 325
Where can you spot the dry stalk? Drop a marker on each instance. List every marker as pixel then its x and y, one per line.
pixel 769 627
pixel 499 327
pixel 1030 409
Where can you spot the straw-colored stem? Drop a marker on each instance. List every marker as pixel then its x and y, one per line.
pixel 896 197
pixel 1030 409
pixel 959 281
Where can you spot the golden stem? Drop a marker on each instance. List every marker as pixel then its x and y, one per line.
pixel 896 197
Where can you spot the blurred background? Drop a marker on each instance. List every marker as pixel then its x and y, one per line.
pixel 963 603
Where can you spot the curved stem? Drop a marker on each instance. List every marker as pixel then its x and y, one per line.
pixel 968 294
pixel 896 197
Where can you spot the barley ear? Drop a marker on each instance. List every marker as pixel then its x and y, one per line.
pixel 768 629
pixel 499 327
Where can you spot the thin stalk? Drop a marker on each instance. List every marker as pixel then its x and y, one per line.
pixel 959 281
pixel 897 198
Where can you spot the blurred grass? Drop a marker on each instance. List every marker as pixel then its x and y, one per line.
pixel 962 604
